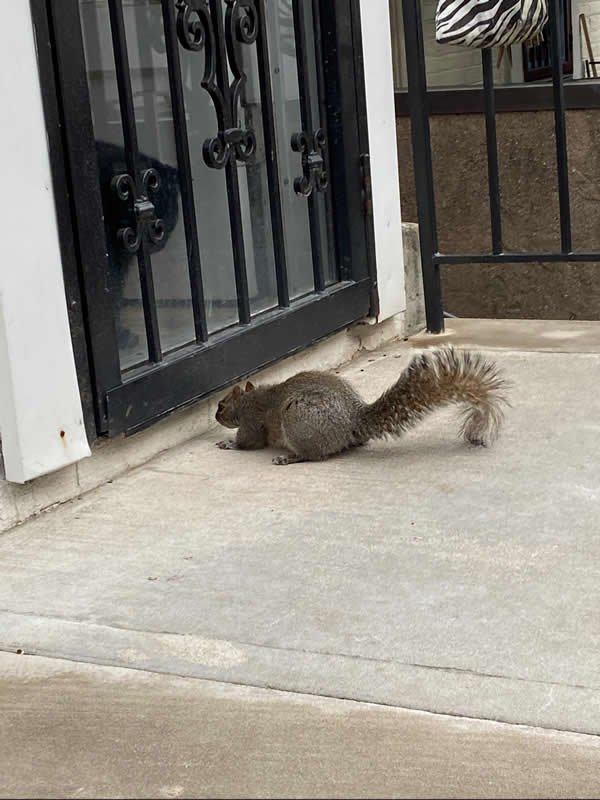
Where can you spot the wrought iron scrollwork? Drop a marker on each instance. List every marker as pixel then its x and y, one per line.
pixel 241 27
pixel 218 150
pixel 241 22
pixel 143 211
pixel 196 31
pixel 312 148
pixel 195 28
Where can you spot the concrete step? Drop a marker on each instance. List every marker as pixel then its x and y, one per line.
pixel 74 730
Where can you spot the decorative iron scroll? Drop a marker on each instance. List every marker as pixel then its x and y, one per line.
pixel 143 211
pixel 196 31
pixel 194 27
pixel 312 148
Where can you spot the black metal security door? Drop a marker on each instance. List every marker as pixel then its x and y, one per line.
pixel 214 152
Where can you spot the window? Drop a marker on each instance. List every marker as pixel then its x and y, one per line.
pixel 537 59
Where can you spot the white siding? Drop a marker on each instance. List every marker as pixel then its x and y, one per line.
pixel 591 10
pixel 40 409
pixel 447 65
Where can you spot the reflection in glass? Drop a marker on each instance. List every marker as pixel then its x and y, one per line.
pixel 254 193
pixel 288 120
pixel 154 124
pixel 156 138
pixel 149 76
pixel 212 207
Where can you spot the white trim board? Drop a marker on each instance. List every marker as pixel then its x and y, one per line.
pixel 383 149
pixel 41 418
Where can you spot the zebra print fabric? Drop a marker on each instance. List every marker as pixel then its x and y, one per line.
pixel 489 23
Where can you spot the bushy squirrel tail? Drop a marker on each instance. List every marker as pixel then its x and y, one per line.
pixel 435 379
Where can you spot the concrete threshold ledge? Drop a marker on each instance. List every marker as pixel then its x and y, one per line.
pixel 442 689
pixel 517 335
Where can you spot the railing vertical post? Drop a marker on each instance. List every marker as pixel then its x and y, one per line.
pixel 560 128
pixel 492 150
pixel 421 142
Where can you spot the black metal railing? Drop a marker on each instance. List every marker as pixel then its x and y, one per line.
pixel 418 98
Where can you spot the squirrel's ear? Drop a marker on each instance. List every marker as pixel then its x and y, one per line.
pixel 249 386
pixel 236 393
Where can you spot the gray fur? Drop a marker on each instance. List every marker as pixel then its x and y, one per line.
pixel 314 415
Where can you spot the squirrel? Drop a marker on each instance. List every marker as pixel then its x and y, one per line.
pixel 314 415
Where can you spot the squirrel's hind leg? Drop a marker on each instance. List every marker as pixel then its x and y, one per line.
pixel 310 433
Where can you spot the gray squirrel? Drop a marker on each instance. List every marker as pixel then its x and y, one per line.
pixel 314 415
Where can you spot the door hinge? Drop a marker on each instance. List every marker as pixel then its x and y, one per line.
pixel 366 188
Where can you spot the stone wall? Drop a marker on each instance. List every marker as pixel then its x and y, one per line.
pixel 529 212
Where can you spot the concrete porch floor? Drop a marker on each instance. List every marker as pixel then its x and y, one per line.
pixel 415 574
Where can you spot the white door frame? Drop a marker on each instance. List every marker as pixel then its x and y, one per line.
pixel 41 419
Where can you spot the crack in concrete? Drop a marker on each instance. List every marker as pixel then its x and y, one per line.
pixel 352 656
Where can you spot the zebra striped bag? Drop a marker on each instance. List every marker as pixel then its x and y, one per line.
pixel 489 23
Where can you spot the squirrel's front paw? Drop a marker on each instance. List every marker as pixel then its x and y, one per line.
pixel 227 444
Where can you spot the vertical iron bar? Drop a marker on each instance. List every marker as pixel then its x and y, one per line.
pixel 97 90
pixel 231 174
pixel 323 116
pixel 560 126
pixel 492 149
pixel 310 122
pixel 264 74
pixel 119 42
pixel 421 142
pixel 185 170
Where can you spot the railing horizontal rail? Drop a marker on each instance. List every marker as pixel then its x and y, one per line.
pixel 515 258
